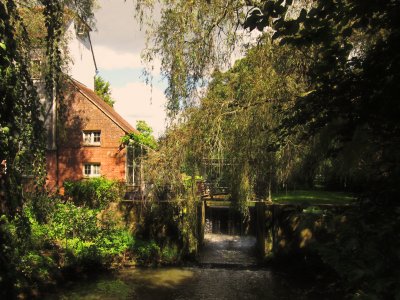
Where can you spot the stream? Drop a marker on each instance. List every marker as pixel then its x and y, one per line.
pixel 227 270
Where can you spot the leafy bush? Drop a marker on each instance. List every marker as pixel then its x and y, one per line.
pixel 114 242
pixel 42 206
pixel 147 252
pixel 170 254
pixel 70 221
pixel 87 240
pixel 94 192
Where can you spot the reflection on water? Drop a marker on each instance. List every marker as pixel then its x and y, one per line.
pixel 226 274
pixel 228 250
pixel 183 283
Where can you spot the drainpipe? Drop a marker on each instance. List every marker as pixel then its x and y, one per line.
pixel 94 60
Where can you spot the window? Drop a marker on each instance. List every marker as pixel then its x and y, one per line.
pixel 81 29
pixel 91 138
pixel 91 170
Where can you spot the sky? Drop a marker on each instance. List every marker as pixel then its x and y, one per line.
pixel 117 44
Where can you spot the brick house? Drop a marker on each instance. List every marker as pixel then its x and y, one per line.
pixel 83 133
pixel 88 142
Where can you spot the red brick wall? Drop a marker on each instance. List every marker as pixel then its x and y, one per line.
pixel 81 115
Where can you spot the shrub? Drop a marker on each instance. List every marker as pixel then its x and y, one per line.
pixel 94 192
pixel 170 254
pixel 70 221
pixel 147 252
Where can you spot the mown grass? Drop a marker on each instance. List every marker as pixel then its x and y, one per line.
pixel 313 197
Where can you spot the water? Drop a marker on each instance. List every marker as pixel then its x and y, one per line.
pixel 227 271
pixel 184 283
pixel 228 250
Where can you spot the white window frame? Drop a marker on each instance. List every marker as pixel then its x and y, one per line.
pixel 90 137
pixel 94 169
pixel 81 29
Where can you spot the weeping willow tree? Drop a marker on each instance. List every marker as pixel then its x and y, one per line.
pixel 195 38
pixel 229 117
pixel 240 116
pixel 191 38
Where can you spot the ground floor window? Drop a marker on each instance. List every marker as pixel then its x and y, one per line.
pixel 91 169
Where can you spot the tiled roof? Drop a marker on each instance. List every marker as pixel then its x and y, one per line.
pixel 104 107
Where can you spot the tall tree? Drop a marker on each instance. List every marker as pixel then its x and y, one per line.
pixel 192 38
pixel 354 74
pixel 102 88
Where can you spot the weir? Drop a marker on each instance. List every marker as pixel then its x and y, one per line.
pixel 226 241
pixel 279 229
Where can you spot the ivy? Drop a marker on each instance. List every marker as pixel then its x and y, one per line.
pixel 21 129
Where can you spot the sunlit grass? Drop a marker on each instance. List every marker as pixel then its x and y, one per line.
pixel 313 197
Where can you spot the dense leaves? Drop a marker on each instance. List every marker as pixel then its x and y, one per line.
pixel 143 137
pixel 191 38
pixel 94 193
pixel 354 77
pixel 102 88
pixel 21 134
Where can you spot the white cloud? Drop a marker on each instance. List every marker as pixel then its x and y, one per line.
pixel 135 101
pixel 109 59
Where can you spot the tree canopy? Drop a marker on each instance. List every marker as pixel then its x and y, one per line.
pixel 102 88
pixel 347 112
pixel 143 137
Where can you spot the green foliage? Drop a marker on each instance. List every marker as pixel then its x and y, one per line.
pixel 363 250
pixel 171 224
pixel 103 90
pixel 144 137
pixel 147 252
pixel 94 192
pixel 242 191
pixel 71 221
pixel 192 37
pixel 313 197
pixel 351 108
pixel 21 129
pixel 87 240
pixel 25 263
pixel 151 253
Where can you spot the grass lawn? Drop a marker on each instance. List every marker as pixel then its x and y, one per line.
pixel 313 197
pixel 213 203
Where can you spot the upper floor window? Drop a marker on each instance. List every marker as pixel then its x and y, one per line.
pixel 81 29
pixel 91 170
pixel 92 138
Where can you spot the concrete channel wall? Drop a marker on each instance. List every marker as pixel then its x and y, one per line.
pixel 294 230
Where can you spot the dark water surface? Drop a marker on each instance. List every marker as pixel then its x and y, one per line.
pixel 184 283
pixel 227 270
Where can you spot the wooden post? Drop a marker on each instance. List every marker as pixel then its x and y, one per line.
pixel 201 221
pixel 260 228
